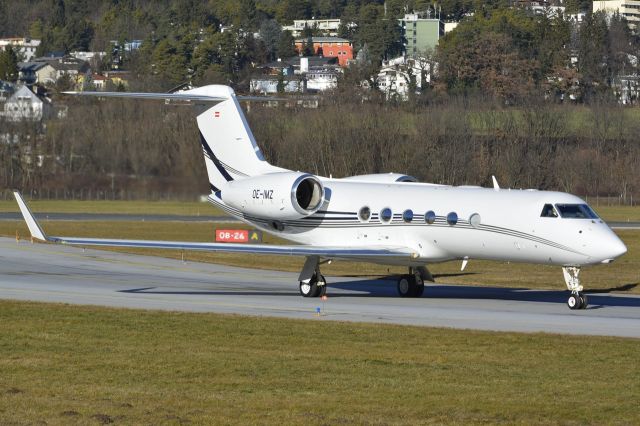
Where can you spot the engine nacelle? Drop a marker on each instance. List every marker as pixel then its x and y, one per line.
pixel 279 196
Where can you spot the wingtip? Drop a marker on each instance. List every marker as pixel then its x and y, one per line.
pixel 32 223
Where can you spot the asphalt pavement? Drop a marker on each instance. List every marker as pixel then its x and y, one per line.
pixel 55 273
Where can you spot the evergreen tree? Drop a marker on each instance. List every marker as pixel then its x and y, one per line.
pixel 8 64
pixel 286 45
pixel 58 17
pixel 168 64
pixel 270 34
pixel 593 52
pixel 382 36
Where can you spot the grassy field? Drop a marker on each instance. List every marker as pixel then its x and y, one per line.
pixel 622 275
pixel 85 365
pixel 193 208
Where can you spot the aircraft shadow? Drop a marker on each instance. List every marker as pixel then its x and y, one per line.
pixel 385 288
pixel 381 288
pixel 248 292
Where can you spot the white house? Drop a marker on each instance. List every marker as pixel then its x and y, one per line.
pixel 6 90
pixel 627 89
pixel 397 76
pixel 25 47
pixel 328 27
pixel 268 85
pixel 25 105
pixel 630 9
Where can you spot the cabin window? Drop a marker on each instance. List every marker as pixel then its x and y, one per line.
pixel 364 214
pixel 430 217
pixel 452 218
pixel 475 220
pixel 407 216
pixel 576 211
pixel 386 215
pixel 548 211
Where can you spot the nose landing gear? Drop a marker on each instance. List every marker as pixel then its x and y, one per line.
pixel 577 299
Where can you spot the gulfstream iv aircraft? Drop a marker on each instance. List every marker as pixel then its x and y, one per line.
pixel 382 218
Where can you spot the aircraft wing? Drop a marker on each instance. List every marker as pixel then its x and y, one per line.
pixel 368 253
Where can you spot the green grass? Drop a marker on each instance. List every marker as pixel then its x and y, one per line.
pixel 63 364
pixel 622 275
pixel 618 213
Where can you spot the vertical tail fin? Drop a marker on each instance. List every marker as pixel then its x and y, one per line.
pixel 229 148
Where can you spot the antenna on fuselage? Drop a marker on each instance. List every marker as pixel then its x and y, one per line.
pixel 496 187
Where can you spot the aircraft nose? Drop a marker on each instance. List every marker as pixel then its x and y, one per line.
pixel 615 249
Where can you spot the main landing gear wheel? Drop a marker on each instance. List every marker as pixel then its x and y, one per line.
pixel 410 285
pixel 314 288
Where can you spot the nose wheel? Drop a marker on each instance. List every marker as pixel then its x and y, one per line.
pixel 577 299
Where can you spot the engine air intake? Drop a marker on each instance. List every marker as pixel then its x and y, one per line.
pixel 307 194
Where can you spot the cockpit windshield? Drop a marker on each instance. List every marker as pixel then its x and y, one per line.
pixel 576 211
pixel 548 211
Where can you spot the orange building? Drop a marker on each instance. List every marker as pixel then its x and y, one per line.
pixel 329 47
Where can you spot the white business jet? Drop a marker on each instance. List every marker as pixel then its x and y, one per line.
pixel 382 218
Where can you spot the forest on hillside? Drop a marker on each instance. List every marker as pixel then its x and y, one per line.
pixel 103 151
pixel 498 49
pixel 507 99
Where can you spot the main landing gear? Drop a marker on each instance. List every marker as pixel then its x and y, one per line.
pixel 577 299
pixel 315 287
pixel 412 284
pixel 312 282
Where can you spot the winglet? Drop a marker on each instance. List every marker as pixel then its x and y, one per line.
pixel 33 225
pixel 496 187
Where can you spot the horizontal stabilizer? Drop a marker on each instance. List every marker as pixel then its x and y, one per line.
pixel 212 93
pixel 161 96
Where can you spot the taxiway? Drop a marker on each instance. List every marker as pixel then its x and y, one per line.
pixel 54 273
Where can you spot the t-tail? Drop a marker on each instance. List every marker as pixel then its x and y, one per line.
pixel 228 145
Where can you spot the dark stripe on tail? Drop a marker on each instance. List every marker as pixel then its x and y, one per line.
pixel 215 160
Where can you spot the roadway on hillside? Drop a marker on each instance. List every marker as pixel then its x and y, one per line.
pixel 55 273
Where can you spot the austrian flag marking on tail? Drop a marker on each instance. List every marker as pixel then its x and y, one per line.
pixel 217 114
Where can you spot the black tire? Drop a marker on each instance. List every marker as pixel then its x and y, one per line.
pixel 312 289
pixel 406 286
pixel 323 290
pixel 584 300
pixel 321 285
pixel 419 289
pixel 309 289
pixel 574 302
